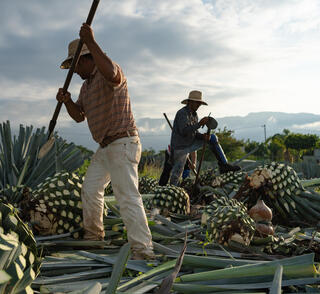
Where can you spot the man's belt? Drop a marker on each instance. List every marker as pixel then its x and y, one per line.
pixel 109 139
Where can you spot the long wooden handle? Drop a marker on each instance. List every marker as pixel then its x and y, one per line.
pixel 53 121
pixel 188 159
pixel 201 159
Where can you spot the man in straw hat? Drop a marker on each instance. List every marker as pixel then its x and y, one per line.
pixel 104 101
pixel 185 138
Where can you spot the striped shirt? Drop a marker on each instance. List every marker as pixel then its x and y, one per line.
pixel 106 105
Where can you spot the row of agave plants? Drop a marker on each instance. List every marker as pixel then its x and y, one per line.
pixel 42 197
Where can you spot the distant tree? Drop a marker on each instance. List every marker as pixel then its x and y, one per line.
pixel 148 152
pixel 286 132
pixel 261 151
pixel 230 145
pixel 276 147
pixel 81 171
pixel 277 150
pixel 301 143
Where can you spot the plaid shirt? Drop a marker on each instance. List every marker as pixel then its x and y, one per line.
pixel 106 105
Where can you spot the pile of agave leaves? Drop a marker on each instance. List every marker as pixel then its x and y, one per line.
pixel 187 261
pixel 188 257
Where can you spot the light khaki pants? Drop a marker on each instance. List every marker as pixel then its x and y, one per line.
pixel 117 162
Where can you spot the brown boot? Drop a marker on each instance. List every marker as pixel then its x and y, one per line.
pixel 143 255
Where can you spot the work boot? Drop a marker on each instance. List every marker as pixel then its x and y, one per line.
pixel 143 255
pixel 93 241
pixel 226 167
pixel 216 148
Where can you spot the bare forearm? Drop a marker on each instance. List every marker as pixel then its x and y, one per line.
pixel 193 157
pixel 102 61
pixel 192 160
pixel 74 111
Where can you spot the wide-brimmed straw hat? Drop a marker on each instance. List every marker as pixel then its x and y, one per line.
pixel 72 48
pixel 194 96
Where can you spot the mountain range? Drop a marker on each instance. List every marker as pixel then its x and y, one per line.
pixel 155 132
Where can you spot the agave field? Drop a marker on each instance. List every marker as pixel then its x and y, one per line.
pixel 252 231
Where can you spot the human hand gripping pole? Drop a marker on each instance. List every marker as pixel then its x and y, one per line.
pixel 48 145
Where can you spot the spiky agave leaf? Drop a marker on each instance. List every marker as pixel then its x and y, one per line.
pixel 18 251
pixel 19 163
pixel 14 195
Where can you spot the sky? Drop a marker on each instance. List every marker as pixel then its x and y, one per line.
pixel 245 56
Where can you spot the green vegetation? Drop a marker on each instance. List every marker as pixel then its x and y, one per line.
pixel 81 171
pixel 19 161
pixel 286 146
pixel 152 171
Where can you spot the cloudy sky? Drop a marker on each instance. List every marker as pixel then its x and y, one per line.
pixel 245 56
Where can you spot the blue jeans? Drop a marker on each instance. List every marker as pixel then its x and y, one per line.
pixel 179 156
pixel 185 173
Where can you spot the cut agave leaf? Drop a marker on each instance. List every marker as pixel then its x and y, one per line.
pixel 277 280
pixel 118 268
pixel 293 267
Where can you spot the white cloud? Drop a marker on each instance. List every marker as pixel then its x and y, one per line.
pixel 28 90
pixel 37 113
pixel 32 90
pixel 315 126
pixel 246 56
pixel 146 128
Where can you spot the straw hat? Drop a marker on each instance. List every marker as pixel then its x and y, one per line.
pixel 194 96
pixel 72 48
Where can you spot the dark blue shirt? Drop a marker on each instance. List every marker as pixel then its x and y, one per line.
pixel 184 131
